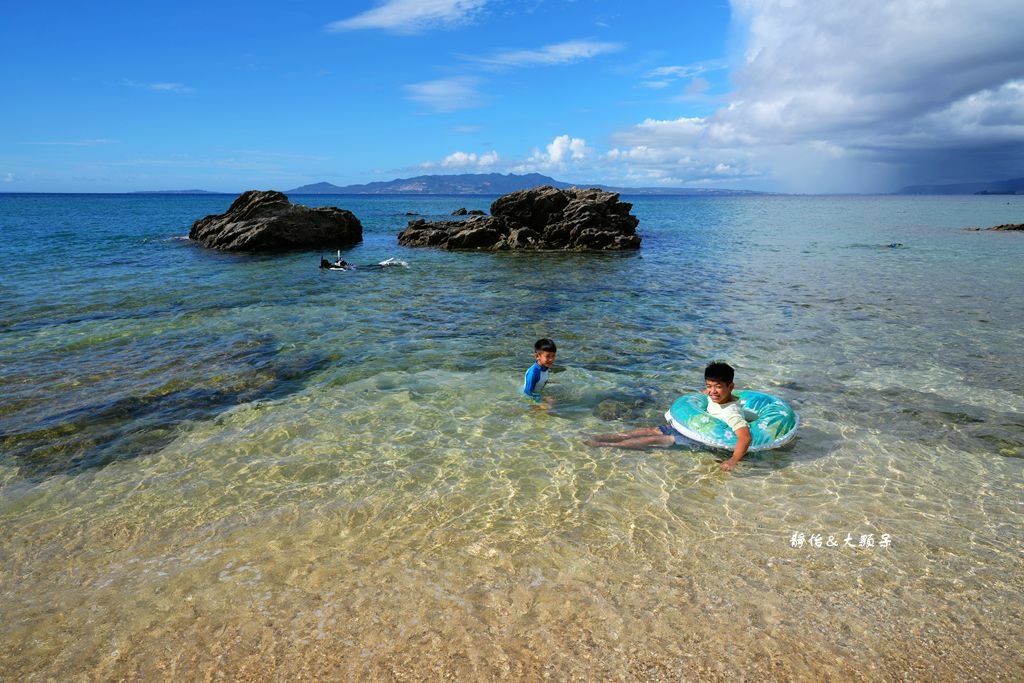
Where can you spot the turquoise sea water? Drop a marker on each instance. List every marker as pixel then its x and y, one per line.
pixel 215 463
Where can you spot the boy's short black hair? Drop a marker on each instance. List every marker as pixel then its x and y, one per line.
pixel 717 371
pixel 545 344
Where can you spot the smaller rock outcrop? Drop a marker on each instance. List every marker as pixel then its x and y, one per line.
pixel 1006 227
pixel 266 221
pixel 542 218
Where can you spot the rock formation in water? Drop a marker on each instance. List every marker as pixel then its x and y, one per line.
pixel 1006 227
pixel 542 218
pixel 267 221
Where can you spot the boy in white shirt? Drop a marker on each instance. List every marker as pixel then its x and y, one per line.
pixel 718 385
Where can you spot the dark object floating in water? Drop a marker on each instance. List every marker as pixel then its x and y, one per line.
pixel 342 264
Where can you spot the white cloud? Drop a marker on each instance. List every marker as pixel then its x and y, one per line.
pixel 676 71
pixel 650 155
pixel 174 88
pixel 559 53
pixel 411 16
pixel 470 160
pixel 8 177
pixel 681 165
pixel 460 92
pixel 560 153
pixel 665 76
pixel 657 133
pixel 446 94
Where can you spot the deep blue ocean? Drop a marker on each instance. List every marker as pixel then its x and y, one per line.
pixel 333 470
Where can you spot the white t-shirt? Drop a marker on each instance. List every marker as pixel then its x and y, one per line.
pixel 730 413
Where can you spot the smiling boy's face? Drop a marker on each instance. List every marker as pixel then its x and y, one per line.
pixel 718 391
pixel 545 359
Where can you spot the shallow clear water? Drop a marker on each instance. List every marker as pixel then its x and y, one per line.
pixel 236 464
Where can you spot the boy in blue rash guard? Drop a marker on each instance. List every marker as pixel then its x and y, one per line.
pixel 537 376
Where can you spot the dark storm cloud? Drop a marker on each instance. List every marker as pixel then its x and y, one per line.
pixel 879 94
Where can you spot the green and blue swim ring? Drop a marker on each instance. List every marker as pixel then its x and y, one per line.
pixel 772 421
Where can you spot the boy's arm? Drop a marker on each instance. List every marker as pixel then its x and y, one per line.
pixel 743 440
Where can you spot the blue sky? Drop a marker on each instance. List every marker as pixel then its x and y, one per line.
pixel 779 95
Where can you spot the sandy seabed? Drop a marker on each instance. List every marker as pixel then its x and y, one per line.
pixel 466 609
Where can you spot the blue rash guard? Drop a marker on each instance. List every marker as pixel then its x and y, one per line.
pixel 535 379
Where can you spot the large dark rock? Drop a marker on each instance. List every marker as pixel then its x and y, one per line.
pixel 267 221
pixel 537 219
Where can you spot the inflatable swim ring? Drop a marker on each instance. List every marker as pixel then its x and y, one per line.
pixel 772 421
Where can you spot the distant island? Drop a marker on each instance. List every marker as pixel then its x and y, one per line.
pixel 491 184
pixel 179 192
pixel 1012 186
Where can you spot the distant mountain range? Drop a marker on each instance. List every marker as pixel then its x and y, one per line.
pixel 493 184
pixel 179 192
pixel 1013 186
pixel 488 184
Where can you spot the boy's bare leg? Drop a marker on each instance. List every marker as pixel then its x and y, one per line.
pixel 638 438
pixel 622 436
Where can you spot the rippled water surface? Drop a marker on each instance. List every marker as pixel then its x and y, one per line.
pixel 242 466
